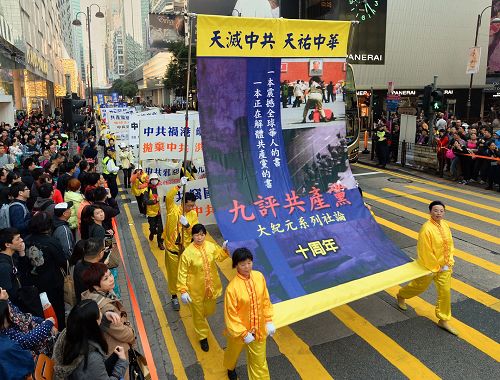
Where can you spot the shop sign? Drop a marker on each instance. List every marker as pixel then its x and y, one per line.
pixel 37 62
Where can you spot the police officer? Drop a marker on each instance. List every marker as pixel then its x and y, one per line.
pixel 110 171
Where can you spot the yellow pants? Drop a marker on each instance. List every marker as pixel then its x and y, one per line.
pixel 256 357
pixel 172 265
pixel 200 311
pixel 443 283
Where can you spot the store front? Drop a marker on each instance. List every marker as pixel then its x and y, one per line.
pixel 12 95
pixel 455 101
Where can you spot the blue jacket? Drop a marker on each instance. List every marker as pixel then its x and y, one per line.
pixel 497 139
pixel 19 216
pixel 16 363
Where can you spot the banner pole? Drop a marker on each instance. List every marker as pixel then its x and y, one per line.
pixel 186 119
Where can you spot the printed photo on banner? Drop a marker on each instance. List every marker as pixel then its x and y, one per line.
pixel 315 129
pixel 162 137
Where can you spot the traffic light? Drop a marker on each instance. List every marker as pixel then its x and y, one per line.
pixel 426 100
pixel 71 115
pixel 437 102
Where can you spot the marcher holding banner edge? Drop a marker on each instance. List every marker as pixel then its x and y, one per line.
pixel 248 314
pixel 435 252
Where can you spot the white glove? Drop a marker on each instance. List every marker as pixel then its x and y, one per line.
pixel 444 268
pixel 224 245
pixel 249 338
pixel 185 298
pixel 271 330
pixel 183 221
pixel 184 180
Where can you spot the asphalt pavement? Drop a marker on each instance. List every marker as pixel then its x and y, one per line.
pixel 369 338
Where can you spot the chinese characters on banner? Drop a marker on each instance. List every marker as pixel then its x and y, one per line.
pixel 133 130
pixel 162 137
pixel 249 37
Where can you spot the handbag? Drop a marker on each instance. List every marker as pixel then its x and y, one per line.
pixel 44 368
pixel 69 286
pixel 28 300
pixel 138 366
pixel 449 154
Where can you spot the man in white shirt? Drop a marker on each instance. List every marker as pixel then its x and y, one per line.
pixel 254 8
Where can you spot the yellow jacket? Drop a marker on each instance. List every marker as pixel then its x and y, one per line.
pixel 247 306
pixel 173 227
pixel 152 210
pixel 139 184
pixel 435 246
pixel 198 272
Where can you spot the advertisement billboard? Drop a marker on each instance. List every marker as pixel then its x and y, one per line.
pixel 164 29
pixel 493 61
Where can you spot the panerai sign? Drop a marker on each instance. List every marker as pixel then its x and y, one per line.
pixel 37 61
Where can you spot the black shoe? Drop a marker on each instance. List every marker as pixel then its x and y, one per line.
pixel 175 304
pixel 488 188
pixel 161 246
pixel 151 236
pixel 303 121
pixel 231 374
pixel 204 344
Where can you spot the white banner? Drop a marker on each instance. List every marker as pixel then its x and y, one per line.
pixel 473 60
pixel 133 130
pixel 106 111
pixel 162 137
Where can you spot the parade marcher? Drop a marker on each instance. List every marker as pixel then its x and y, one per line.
pixel 198 281
pixel 139 181
pixel 81 350
pixel 152 203
pixel 435 252
pixel 248 314
pixel 126 159
pixel 110 171
pixel 177 223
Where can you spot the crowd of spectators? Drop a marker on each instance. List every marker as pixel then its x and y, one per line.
pixel 56 229
pixel 469 153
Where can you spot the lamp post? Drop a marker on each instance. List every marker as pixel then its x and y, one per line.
pixel 496 20
pixel 77 22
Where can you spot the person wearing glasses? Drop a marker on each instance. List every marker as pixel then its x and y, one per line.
pixel 18 211
pixel 10 243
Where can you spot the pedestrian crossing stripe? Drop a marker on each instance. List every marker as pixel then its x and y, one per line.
pixel 405 362
pixel 432 183
pixel 455 199
pixel 160 313
pixel 462 212
pixel 467 333
pixel 475 294
pixel 478 261
pixel 455 226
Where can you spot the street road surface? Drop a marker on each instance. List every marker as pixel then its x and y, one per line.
pixel 367 339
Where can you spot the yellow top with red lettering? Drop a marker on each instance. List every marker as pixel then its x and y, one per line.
pixel 247 306
pixel 435 245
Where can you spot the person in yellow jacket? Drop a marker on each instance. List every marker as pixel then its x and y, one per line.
pixel 435 252
pixel 153 212
pixel 139 180
pixel 177 223
pixel 248 314
pixel 198 281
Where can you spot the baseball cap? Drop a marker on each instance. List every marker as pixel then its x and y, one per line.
pixel 61 207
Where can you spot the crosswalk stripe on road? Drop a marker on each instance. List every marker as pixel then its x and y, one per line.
pixel 466 333
pixel 455 226
pixel 455 199
pixel 405 362
pixel 173 353
pixel 449 208
pixel 432 183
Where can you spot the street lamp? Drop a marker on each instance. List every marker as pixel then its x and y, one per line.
pixel 77 22
pixel 496 20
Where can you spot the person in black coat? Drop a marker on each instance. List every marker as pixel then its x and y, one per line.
pixel 12 261
pixel 48 276
pixel 108 204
